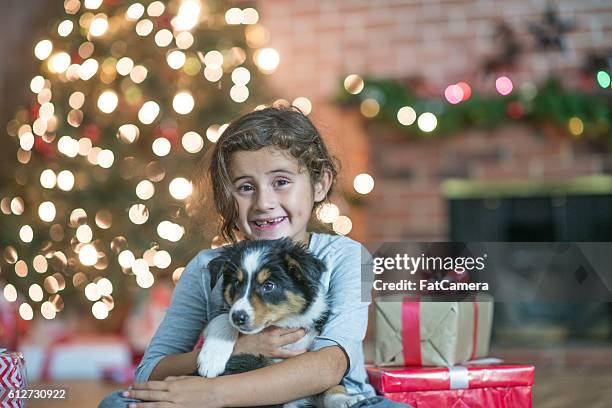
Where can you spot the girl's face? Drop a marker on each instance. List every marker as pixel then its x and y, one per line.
pixel 275 198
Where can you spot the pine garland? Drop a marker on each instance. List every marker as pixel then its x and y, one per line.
pixel 579 114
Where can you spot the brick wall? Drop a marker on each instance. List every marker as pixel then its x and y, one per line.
pixel 442 41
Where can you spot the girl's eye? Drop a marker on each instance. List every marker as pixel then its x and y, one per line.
pixel 245 187
pixel 282 182
pixel 268 286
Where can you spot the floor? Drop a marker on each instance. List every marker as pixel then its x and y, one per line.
pixel 575 388
pixel 554 389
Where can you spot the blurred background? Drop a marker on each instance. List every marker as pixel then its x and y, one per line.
pixel 454 120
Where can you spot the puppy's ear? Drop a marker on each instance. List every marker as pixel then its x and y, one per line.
pixel 216 267
pixel 304 266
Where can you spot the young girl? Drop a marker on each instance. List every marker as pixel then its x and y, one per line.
pixel 269 165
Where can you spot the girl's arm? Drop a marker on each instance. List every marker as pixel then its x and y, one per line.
pixel 301 376
pixel 174 365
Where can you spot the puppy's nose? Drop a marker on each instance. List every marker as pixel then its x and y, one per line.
pixel 240 318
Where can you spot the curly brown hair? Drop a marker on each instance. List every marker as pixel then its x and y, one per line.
pixel 286 128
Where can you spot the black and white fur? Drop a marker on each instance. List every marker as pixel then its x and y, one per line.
pixel 267 282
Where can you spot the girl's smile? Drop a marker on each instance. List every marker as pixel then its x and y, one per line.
pixel 268 223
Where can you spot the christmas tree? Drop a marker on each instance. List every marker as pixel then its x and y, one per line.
pixel 129 96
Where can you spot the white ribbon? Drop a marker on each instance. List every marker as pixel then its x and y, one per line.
pixel 459 378
pixel 484 361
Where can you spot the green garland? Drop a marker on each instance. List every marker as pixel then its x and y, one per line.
pixel 547 104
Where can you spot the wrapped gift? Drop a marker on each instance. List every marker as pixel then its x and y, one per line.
pixel 79 357
pixel 442 334
pixel 490 386
pixel 8 324
pixel 12 378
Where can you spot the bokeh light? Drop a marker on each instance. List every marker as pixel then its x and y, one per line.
pixel 369 107
pixel 328 212
pixel 453 94
pixel 603 79
pixel 353 84
pixel 188 15
pixel 363 183
pixel 99 26
pixel 59 62
pixel 342 225
pixel 138 214
pixel 134 12
pixel 267 60
pixel 192 142
pixel 503 85
pixel 10 293
pixel 303 104
pixel 84 234
pixel 406 115
pixel 144 27
pixel 99 310
pixel 183 103
pixel 148 112
pixel 161 146
pixel 467 90
pixel 26 233
pixel 26 312
pixel 180 188
pixel 176 59
pixel 145 190
pixel 46 211
pixel 65 180
pixel 163 38
pixel 107 101
pixel 88 255
pixel 576 126
pixel 427 122
pixel 43 49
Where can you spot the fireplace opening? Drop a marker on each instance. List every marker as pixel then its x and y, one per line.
pixel 555 213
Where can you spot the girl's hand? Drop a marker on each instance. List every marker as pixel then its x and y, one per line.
pixel 175 392
pixel 269 342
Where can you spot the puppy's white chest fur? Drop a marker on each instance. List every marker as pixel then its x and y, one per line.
pixel 303 343
pixel 306 321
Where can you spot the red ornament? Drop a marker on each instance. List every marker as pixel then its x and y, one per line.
pixel 34 111
pixel 8 324
pixel 45 149
pixel 164 21
pixel 515 110
pixel 92 132
pixel 75 58
pixel 170 132
pixel 467 90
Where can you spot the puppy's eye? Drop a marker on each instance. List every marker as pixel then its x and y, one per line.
pixel 235 283
pixel 268 286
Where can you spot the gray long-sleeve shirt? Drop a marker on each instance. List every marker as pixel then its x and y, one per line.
pixel 194 304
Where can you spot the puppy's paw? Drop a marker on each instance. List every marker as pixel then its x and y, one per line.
pixel 338 400
pixel 213 357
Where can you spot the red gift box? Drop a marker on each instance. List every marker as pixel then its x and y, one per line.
pixel 12 378
pixel 490 386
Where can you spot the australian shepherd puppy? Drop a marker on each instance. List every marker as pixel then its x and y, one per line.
pixel 266 282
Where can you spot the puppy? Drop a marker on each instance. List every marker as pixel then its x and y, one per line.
pixel 267 282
